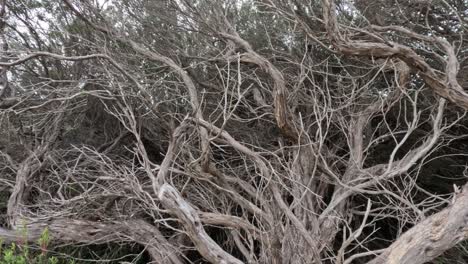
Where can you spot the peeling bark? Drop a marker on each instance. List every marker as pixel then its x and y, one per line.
pixel 431 237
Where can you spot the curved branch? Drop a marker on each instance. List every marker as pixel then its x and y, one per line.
pixel 283 115
pixel 83 231
pixel 445 86
pixel 431 237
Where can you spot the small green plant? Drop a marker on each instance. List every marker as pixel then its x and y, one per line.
pixel 11 255
pixel 19 253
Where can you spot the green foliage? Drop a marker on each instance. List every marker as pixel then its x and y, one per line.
pixel 19 253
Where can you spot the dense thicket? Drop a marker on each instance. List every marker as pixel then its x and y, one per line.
pixel 236 131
